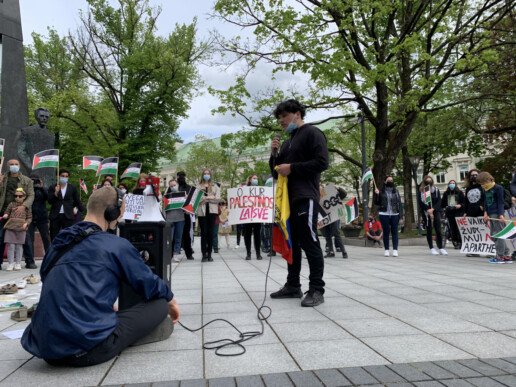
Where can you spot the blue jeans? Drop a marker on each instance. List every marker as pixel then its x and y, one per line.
pixel 390 226
pixel 176 229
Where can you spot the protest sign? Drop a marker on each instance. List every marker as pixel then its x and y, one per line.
pixel 250 205
pixel 331 208
pixel 476 236
pixel 133 206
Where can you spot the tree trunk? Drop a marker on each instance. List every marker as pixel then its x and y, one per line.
pixel 407 190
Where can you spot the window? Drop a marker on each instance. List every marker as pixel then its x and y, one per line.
pixel 463 171
pixel 440 177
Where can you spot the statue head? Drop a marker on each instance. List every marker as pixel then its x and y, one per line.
pixel 42 116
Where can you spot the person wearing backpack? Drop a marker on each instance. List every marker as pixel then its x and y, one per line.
pixel 494 214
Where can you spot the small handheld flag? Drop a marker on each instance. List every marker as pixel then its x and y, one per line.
pixel 91 162
pixel 2 144
pixel 426 196
pixel 351 208
pixel 132 171
pixel 509 232
pixel 368 175
pixel 108 166
pixel 83 186
pixel 192 200
pixel 46 159
pixel 174 200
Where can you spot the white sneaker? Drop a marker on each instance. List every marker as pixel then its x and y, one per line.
pixel 21 284
pixel 10 267
pixel 177 258
pixel 394 253
pixel 433 251
pixel 386 254
pixel 17 266
pixel 443 252
pixel 237 246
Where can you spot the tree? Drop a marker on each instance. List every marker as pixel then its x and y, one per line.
pixel 392 59
pixel 146 79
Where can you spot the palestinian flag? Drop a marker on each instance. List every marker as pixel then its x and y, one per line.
pixel 509 232
pixel 426 196
pixel 132 171
pixel 83 186
pixel 91 162
pixel 174 200
pixel 108 166
pixel 46 159
pixel 2 143
pixel 368 175
pixel 192 200
pixel 351 208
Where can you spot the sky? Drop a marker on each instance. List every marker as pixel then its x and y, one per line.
pixel 63 16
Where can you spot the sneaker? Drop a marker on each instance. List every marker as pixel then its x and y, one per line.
pixel 189 257
pixel 287 292
pixel 10 267
pixel 17 266
pixel 386 254
pixel 248 257
pixel 259 257
pixel 216 251
pixel 443 252
pixel 330 254
pixel 394 253
pixel 31 265
pixel 337 249
pixel 312 298
pixel 345 255
pixel 433 251
pixel 177 258
pixel 237 246
pixel 496 260
pixel 210 259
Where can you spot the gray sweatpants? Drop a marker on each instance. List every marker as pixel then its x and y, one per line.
pixel 501 247
pixel 14 251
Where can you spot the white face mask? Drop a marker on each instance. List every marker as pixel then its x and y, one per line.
pixel 14 168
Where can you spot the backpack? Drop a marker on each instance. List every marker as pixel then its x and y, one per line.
pixel 507 200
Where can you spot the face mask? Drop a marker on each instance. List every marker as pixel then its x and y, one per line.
pixel 291 127
pixel 389 184
pixel 451 186
pixel 181 180
pixel 14 168
pixel 173 188
pixel 473 179
pixel 123 190
pixel 370 219
pixel 206 177
pixel 254 181
pixel 63 180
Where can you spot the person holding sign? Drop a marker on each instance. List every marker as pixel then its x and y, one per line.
pixel 175 216
pixel 206 212
pixel 453 204
pixel 388 201
pixel 431 198
pixel 301 159
pixel 253 229
pixel 494 213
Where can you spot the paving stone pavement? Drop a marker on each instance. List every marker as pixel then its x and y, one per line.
pixel 415 320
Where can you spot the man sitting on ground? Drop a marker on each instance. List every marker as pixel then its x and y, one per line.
pixel 373 231
pixel 75 323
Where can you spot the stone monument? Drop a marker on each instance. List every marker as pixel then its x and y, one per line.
pixel 13 87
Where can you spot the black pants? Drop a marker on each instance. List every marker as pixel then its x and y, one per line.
pixel 332 231
pixel 58 224
pixel 28 248
pixel 254 230
pixel 266 233
pixel 239 232
pixel 454 229
pixel 133 324
pixel 186 242
pixel 303 218
pixel 207 223
pixel 436 224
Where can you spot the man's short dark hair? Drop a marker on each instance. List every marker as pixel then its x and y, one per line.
pixel 61 171
pixel 181 173
pixel 289 106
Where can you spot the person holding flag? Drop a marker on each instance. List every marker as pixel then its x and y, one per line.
pixel 301 159
pixel 173 203
pixel 207 211
pixel 431 203
pixel 388 200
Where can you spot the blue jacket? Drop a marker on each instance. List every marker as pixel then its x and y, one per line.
pixel 494 200
pixel 75 311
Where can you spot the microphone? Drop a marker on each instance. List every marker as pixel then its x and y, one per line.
pixel 275 152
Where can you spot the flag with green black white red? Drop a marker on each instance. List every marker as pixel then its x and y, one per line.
pixel 132 171
pixel 2 143
pixel 46 159
pixel 108 166
pixel 368 175
pixel 351 209
pixel 91 162
pixel 426 195
pixel 192 200
pixel 509 232
pixel 174 200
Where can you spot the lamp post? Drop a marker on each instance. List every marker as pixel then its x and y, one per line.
pixel 365 187
pixel 415 160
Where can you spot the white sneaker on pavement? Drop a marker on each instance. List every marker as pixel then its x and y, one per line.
pixel 10 267
pixel 386 254
pixel 443 252
pixel 433 251
pixel 394 253
pixel 177 258
pixel 17 266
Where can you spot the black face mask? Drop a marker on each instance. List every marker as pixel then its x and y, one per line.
pixel 389 184
pixel 473 179
pixel 181 180
pixel 370 219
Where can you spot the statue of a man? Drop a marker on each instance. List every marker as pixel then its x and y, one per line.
pixel 34 139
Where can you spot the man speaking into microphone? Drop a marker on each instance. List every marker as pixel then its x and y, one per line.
pixel 302 158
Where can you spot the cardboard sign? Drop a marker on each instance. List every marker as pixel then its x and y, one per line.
pixel 250 205
pixel 476 236
pixel 133 206
pixel 331 208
